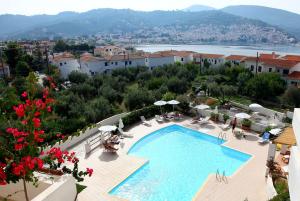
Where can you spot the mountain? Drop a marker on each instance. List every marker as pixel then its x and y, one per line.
pixel 156 26
pixel 284 19
pixel 198 8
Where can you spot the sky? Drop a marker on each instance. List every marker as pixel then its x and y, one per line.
pixel 32 7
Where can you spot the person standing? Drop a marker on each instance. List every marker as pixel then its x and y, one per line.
pixel 234 123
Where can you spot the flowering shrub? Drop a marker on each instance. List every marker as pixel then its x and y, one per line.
pixel 22 145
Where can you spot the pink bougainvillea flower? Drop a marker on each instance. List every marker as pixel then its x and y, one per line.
pixel 36 122
pixel 24 94
pixel 20 110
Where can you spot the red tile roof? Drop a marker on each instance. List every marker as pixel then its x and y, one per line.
pixel 292 57
pixel 268 56
pixel 280 63
pixel 208 56
pixel 236 57
pixel 294 75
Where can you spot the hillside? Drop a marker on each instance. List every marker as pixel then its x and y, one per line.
pixel 167 26
pixel 284 19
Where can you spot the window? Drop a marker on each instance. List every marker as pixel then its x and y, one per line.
pixel 112 63
pixel 285 72
pixel 252 68
pixel 259 68
pixel 129 62
pixel 60 64
pixel 215 61
pixel 146 60
pixel 106 64
pixel 182 59
pixel 116 63
pixel 126 63
pixel 202 60
pixel 270 69
pixel 65 62
pixel 278 71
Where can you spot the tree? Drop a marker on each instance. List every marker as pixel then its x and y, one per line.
pixel 77 77
pixel 61 46
pixel 242 80
pixel 292 96
pixel 138 98
pixel 266 86
pixel 177 86
pixel 13 55
pixel 22 69
pixel 23 141
pixel 222 92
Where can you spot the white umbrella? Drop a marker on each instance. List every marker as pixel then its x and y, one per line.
pixel 275 131
pixel 107 128
pixel 160 103
pixel 255 105
pixel 173 102
pixel 121 124
pixel 242 115
pixel 202 107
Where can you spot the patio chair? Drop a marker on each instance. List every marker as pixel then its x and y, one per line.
pixel 204 121
pixel 159 119
pixel 125 134
pixel 265 138
pixel 110 147
pixel 226 126
pixel 144 121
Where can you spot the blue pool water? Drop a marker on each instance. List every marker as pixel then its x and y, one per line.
pixel 180 161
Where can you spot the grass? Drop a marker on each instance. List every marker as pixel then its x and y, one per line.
pixel 80 188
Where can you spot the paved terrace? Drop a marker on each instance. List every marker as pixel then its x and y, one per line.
pixel 111 169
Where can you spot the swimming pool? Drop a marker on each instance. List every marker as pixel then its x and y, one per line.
pixel 180 160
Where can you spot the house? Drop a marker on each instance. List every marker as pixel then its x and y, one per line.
pixel 66 62
pixel 234 59
pixel 108 50
pixel 214 60
pixel 162 58
pixel 294 78
pixel 292 57
pixel 4 70
pixel 294 164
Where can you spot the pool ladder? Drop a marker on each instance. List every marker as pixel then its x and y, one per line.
pixel 220 177
pixel 222 136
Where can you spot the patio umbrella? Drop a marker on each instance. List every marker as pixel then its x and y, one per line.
pixel 242 115
pixel 202 107
pixel 107 128
pixel 160 103
pixel 173 102
pixel 275 131
pixel 121 124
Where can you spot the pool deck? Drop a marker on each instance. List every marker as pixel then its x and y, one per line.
pixel 111 169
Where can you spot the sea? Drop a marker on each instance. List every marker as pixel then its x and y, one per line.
pixel 224 49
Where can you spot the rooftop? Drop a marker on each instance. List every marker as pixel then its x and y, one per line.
pixel 236 57
pixel 294 75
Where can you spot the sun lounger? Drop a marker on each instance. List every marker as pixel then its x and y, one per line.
pixel 110 147
pixel 204 121
pixel 265 138
pixel 225 126
pixel 125 134
pixel 159 119
pixel 145 122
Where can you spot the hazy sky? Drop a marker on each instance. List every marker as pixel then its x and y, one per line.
pixel 31 7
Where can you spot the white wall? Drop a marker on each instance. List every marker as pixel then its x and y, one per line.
pixel 296 125
pixel 160 61
pixel 294 174
pixel 66 66
pixel 64 190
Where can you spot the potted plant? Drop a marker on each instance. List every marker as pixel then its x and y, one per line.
pixel 214 117
pixel 225 117
pixel 246 124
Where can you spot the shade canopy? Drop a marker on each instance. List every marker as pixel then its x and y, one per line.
pixel 107 128
pixel 173 102
pixel 287 137
pixel 202 107
pixel 275 131
pixel 160 103
pixel 242 115
pixel 121 124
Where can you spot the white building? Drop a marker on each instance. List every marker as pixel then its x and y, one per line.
pixel 294 164
pixel 235 59
pixel 66 63
pixel 108 50
pixel 214 60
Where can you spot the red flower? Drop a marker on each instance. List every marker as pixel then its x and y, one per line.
pixel 37 134
pixel 20 110
pixel 24 94
pixel 18 147
pixel 21 139
pixel 89 171
pixel 36 114
pixel 49 109
pixel 2 174
pixel 36 122
pixel 18 170
pixel 24 122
